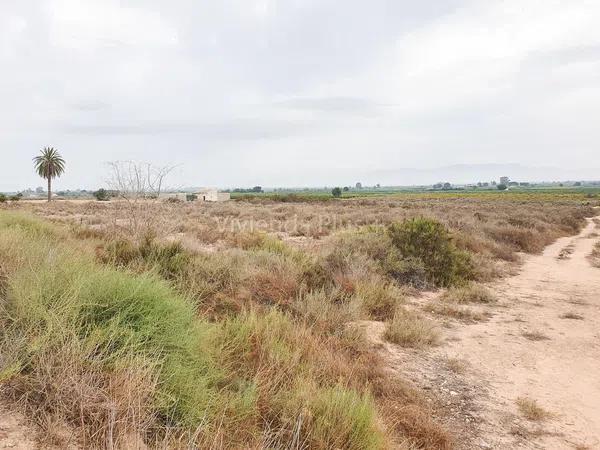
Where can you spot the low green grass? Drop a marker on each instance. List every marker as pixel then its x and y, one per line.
pixel 124 354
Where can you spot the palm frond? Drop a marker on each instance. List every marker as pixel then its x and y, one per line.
pixel 49 164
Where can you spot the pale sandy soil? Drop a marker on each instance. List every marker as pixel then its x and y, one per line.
pixel 561 373
pixel 14 432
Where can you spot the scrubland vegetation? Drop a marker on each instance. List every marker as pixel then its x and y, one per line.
pixel 531 410
pixel 233 325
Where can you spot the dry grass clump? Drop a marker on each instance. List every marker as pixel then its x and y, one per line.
pixel 378 299
pixel 409 329
pixel 530 409
pixel 456 365
pixel 571 315
pixel 595 256
pixel 535 336
pixel 421 430
pixel 469 293
pixel 456 312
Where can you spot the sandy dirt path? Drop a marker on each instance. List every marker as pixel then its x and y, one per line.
pixel 560 371
pixel 14 432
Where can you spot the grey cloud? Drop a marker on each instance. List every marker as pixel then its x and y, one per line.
pixel 305 85
pixel 91 105
pixel 331 104
pixel 229 130
pixel 569 55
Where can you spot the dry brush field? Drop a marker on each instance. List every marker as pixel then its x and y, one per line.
pixel 237 325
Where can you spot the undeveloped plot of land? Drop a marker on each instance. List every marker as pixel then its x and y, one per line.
pixel 307 272
pixel 532 375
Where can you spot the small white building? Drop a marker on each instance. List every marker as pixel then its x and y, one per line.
pixel 212 195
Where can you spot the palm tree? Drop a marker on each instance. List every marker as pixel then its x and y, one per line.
pixel 49 165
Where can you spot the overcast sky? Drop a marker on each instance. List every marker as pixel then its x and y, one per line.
pixel 296 92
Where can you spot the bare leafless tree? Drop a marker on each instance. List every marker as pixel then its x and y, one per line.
pixel 138 185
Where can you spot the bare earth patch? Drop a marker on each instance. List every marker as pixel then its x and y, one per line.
pixel 499 390
pixel 15 432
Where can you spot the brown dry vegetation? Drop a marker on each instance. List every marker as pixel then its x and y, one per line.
pixel 492 228
pixel 571 315
pixel 595 256
pixel 535 335
pixel 531 410
pixel 456 312
pixel 264 295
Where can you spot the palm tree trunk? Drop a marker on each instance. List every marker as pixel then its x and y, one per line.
pixel 49 188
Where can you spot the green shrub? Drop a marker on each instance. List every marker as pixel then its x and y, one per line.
pixel 2 198
pixel 428 241
pixel 418 252
pixel 336 192
pixel 102 195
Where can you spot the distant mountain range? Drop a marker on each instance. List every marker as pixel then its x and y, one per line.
pixel 472 173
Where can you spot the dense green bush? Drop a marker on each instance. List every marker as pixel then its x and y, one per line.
pixel 427 241
pixel 418 252
pixel 2 198
pixel 102 195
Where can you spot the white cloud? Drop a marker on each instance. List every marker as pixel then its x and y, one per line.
pixel 91 24
pixel 277 87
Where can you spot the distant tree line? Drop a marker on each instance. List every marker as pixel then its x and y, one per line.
pixel 253 190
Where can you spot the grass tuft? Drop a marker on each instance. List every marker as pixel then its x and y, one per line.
pixel 535 336
pixel 469 293
pixel 409 329
pixel 530 409
pixel 571 315
pixel 456 312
